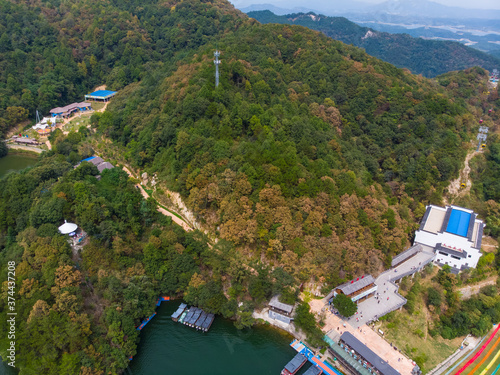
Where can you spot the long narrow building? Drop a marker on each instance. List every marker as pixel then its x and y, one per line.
pixel 366 358
pixel 359 289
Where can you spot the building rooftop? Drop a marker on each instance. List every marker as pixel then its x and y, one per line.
pixel 354 285
pixel 105 165
pixel 295 363
pixel 67 228
pixel 433 219
pixel 452 250
pixel 368 354
pixel 96 160
pixel 313 370
pixel 453 220
pixel 274 302
pixel 70 107
pixel 458 222
pixel 101 94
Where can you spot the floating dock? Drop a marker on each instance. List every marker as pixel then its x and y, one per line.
pixel 143 324
pixel 161 299
pixel 314 359
pixel 200 320
pixel 294 365
pixel 177 314
pixel 193 317
pixel 188 316
pixel 183 316
pixel 158 302
pixel 205 326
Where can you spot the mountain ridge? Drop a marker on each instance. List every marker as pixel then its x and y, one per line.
pixel 402 50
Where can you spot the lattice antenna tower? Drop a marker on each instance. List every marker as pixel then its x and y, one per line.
pixel 217 63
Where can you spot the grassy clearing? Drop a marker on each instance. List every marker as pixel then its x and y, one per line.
pixel 77 122
pixel 96 106
pixel 410 334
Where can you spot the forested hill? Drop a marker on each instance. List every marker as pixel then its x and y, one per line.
pixel 51 53
pixel 427 57
pixel 311 163
pixel 310 154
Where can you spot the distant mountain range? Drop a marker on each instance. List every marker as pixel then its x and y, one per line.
pixel 426 57
pixel 429 9
pixel 391 8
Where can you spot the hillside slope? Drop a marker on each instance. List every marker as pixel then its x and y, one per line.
pixel 427 57
pixel 308 147
pixel 310 163
pixel 52 54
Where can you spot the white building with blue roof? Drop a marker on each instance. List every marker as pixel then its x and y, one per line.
pixel 455 233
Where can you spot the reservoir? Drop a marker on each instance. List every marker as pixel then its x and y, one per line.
pixel 167 347
pixel 16 162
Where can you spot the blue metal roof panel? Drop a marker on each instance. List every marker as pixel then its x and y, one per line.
pixel 459 222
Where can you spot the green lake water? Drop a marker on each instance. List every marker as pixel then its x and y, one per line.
pixel 168 347
pixel 15 162
pixel 6 369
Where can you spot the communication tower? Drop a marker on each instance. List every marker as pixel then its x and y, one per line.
pixel 216 62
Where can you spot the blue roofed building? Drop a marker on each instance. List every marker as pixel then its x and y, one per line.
pixel 101 95
pixel 455 233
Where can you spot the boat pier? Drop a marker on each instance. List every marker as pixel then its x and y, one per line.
pixel 314 359
pixel 178 313
pixel 194 317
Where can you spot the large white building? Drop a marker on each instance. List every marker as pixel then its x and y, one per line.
pixel 454 233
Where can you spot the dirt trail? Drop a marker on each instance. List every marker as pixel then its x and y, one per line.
pixel 175 219
pixel 468 291
pixel 454 187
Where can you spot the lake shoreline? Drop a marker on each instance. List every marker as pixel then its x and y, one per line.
pixel 25 150
pixel 165 344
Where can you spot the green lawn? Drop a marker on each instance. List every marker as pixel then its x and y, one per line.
pixel 97 105
pixel 76 122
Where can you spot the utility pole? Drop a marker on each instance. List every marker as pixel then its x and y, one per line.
pixel 216 62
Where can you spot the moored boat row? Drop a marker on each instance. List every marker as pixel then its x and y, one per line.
pixel 193 317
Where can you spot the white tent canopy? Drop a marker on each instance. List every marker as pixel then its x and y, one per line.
pixel 67 228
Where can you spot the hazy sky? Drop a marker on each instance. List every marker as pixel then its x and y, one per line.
pixel 476 4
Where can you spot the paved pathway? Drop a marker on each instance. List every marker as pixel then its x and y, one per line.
pixel 335 326
pixel 387 298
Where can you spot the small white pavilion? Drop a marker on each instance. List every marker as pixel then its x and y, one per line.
pixel 68 228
